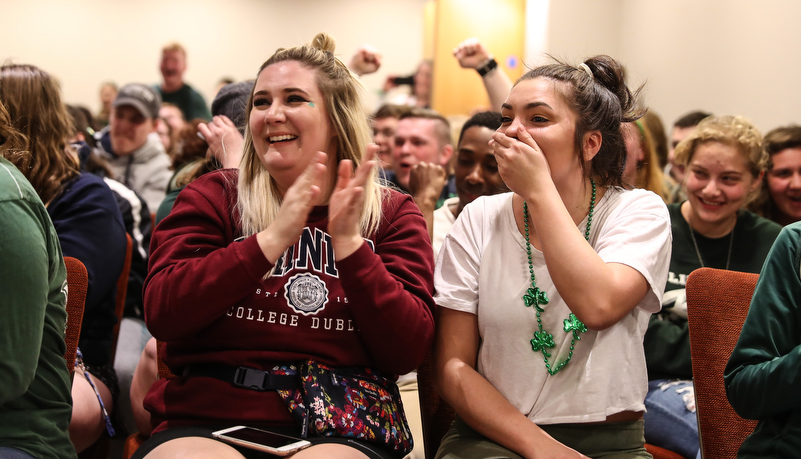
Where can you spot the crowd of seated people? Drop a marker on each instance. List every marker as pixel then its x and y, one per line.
pixel 288 228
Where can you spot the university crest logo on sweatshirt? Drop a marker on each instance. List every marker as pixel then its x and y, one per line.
pixel 306 293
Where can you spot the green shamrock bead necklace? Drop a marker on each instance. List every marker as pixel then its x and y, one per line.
pixel 543 340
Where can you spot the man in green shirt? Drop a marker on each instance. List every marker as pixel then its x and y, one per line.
pixel 174 90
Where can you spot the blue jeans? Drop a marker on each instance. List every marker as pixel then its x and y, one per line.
pixel 669 423
pixel 13 453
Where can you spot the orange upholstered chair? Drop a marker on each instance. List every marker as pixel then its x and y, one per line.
pixel 163 370
pixel 122 291
pixel 717 303
pixel 77 284
pixel 132 443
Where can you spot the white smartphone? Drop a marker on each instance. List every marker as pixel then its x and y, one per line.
pixel 261 440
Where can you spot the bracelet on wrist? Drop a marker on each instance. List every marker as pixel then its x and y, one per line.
pixel 488 66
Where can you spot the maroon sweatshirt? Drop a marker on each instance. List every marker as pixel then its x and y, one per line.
pixel 206 300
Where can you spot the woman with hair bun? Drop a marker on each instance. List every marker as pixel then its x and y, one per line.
pixel 545 293
pixel 299 254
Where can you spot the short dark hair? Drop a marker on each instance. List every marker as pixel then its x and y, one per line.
pixel 82 122
pixel 691 119
pixel 442 127
pixel 489 120
pixel 780 139
pixel 190 146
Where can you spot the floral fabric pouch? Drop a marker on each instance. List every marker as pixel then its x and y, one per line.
pixel 349 402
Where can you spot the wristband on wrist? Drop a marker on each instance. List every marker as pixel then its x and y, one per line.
pixel 488 66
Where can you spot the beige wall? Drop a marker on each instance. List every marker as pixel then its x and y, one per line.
pixel 85 42
pixel 725 56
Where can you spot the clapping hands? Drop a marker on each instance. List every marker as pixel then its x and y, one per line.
pixel 346 203
pixel 344 206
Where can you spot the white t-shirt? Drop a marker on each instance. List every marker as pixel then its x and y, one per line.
pixel 443 220
pixel 482 269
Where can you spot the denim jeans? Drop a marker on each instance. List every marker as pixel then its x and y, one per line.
pixel 669 423
pixel 13 453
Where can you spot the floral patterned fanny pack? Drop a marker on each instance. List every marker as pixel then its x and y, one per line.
pixel 348 402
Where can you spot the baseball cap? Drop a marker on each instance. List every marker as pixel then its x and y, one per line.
pixel 142 97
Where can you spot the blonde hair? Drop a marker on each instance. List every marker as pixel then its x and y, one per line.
pixel 174 46
pixel 259 199
pixel 734 131
pixel 33 101
pixel 649 174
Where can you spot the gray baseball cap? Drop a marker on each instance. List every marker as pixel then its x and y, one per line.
pixel 142 97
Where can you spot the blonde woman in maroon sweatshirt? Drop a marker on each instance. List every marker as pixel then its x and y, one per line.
pixel 299 254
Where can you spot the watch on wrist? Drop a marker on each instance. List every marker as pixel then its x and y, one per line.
pixel 488 66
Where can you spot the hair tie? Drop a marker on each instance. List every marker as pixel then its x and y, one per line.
pixel 586 69
pixel 640 127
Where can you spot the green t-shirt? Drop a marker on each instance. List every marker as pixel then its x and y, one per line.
pixel 35 400
pixel 189 101
pixel 762 375
pixel 667 341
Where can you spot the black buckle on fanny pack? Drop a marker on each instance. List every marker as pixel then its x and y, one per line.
pixel 251 378
pixel 246 378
